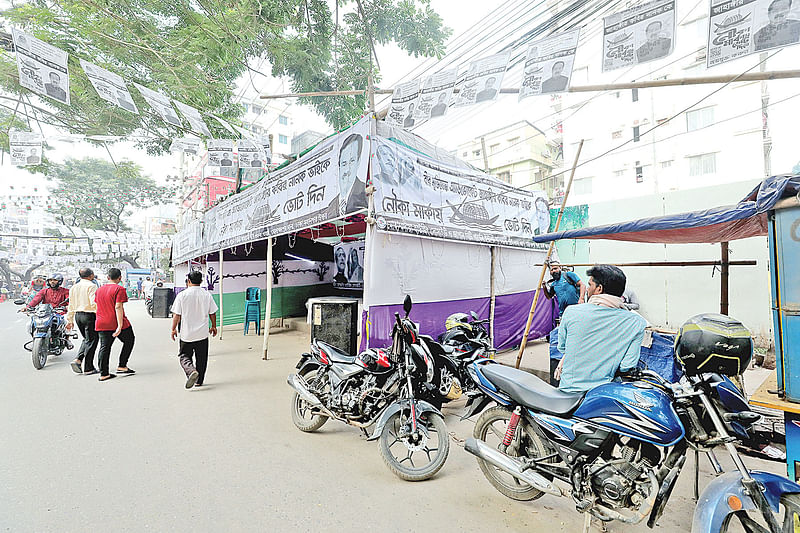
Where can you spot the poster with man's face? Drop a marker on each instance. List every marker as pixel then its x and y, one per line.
pixel 220 153
pixel 404 102
pixel 638 35
pixel 353 160
pixel 193 116
pixel 109 86
pixel 548 64
pixel 435 95
pixel 42 67
pixel 483 80
pixel 25 147
pixel 348 261
pixel 160 103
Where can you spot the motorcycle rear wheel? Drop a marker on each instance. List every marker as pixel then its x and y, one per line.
pixel 491 428
pixel 302 416
pixel 404 468
pixel 39 352
pixel 753 522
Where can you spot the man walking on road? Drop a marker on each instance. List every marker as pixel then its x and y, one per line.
pixel 192 309
pixel 82 312
pixel 112 323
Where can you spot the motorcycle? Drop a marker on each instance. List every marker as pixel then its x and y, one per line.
pixel 621 446
pixel 391 389
pixel 48 331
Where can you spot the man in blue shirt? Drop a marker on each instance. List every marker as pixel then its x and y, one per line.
pixel 599 337
pixel 569 290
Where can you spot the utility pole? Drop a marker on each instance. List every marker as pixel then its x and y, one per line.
pixel 485 157
pixel 765 133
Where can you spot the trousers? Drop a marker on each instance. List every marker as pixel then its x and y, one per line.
pixel 85 323
pixel 107 339
pixel 198 349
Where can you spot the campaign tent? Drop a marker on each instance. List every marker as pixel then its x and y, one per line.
pixel 452 237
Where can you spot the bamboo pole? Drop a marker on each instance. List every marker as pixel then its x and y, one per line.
pixel 547 258
pixel 268 306
pixel 221 290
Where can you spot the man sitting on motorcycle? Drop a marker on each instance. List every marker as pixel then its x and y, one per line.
pixel 53 294
pixel 599 337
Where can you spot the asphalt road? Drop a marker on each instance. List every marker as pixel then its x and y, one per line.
pixel 141 453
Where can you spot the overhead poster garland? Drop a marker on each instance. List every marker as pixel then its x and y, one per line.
pixel 435 95
pixel 109 86
pixel 638 35
pixel 160 103
pixel 42 67
pixel 402 109
pixel 483 80
pixel 25 147
pixel 548 64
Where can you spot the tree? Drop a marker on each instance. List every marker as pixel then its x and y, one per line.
pixel 7 272
pixel 194 51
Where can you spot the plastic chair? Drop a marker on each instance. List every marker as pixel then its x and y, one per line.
pixel 252 309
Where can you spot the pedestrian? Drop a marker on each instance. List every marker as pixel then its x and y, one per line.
pixel 111 323
pixel 147 287
pixel 139 289
pixel 82 311
pixel 568 289
pixel 192 309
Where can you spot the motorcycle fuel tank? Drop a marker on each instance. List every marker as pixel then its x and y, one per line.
pixel 636 410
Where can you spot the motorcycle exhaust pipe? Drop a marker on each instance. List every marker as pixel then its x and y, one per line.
pixel 510 465
pixel 299 385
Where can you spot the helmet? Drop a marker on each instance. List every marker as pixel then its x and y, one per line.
pixel 58 277
pixel 714 343
pixel 457 320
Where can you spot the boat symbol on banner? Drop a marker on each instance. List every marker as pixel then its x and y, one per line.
pixel 473 215
pixel 262 216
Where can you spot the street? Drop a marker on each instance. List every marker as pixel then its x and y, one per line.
pixel 142 453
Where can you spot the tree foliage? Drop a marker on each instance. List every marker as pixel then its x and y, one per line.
pixel 95 194
pixel 195 50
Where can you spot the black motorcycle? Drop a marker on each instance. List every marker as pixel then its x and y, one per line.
pixel 47 329
pixel 393 389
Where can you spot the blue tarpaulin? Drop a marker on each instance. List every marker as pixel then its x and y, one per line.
pixel 748 218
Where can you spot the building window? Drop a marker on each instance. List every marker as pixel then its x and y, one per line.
pixel 513 140
pixel 700 165
pixel 639 172
pixel 504 176
pixel 635 95
pixel 666 164
pixel 616 134
pixel 283 139
pixel 699 118
pixel 283 120
pixel 619 173
pixel 583 186
pixel 476 153
pixel 464 154
pixel 636 134
pixel 493 148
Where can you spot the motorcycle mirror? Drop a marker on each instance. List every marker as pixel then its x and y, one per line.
pixel 407 304
pixel 474 315
pixel 20 301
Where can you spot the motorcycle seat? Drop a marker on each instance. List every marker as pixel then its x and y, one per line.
pixel 530 391
pixel 335 354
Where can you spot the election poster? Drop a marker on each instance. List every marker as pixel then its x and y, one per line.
pixel 548 64
pixel 417 195
pixel 742 27
pixel 189 145
pixel 109 86
pixel 251 154
pixel 436 94
pixel 193 116
pixel 25 147
pixel 221 153
pixel 402 109
pixel 42 67
pixel 638 35
pixel 348 259
pixel 483 80
pixel 160 103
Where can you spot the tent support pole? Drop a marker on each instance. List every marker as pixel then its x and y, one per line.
pixel 268 307
pixel 221 291
pixel 547 260
pixel 492 295
pixel 724 277
pixel 370 220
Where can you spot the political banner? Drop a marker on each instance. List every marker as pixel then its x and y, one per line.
pixel 402 109
pixel 109 86
pixel 435 95
pixel 638 35
pixel 417 195
pixel 42 67
pixel 160 103
pixel 742 27
pixel 220 153
pixel 193 116
pixel 250 154
pixel 548 64
pixel 352 164
pixel 25 147
pixel 348 260
pixel 187 145
pixel 483 80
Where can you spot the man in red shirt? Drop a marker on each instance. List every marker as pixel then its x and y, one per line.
pixel 111 323
pixel 53 294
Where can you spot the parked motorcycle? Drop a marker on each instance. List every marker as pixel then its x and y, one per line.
pixel 48 331
pixel 392 389
pixel 620 446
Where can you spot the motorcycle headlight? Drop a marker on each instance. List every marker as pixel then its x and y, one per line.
pixel 40 322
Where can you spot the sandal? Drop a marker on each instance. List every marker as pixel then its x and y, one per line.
pixel 76 366
pixel 106 378
pixel 127 371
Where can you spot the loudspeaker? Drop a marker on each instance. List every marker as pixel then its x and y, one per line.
pixel 336 322
pixel 162 301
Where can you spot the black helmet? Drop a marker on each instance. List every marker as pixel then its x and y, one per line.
pixel 714 343
pixel 58 277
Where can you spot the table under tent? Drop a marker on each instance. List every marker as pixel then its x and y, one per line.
pixel 376 213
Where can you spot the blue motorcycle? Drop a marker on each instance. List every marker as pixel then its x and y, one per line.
pixel 49 335
pixel 620 446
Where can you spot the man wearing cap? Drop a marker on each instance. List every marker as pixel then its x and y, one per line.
pixel 192 309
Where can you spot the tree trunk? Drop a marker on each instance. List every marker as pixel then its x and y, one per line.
pixel 130 260
pixel 5 267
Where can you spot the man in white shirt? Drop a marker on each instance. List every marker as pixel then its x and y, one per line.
pixel 82 312
pixel 192 309
pixel 147 287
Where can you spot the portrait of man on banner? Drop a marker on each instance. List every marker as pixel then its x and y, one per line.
pixel 351 188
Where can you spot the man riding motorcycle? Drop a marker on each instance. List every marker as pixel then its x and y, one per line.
pixel 53 294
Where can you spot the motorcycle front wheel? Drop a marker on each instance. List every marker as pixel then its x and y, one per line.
pixel 39 352
pixel 753 522
pixel 303 416
pixel 410 458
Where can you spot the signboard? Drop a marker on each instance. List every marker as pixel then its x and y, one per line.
pixel 417 195
pixel 348 261
pixel 483 80
pixel 25 147
pixel 436 93
pixel 402 109
pixel 42 67
pixel 160 104
pixel 109 86
pixel 742 27
pixel 638 35
pixel 548 64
